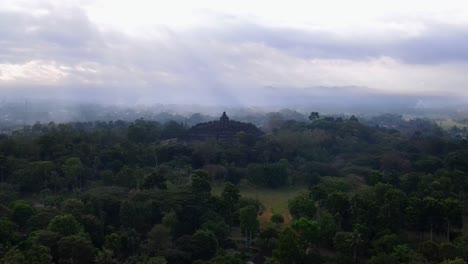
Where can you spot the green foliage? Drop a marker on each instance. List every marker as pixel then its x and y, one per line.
pixel 277 219
pixel 307 230
pixel 230 199
pixel 454 261
pixel 154 179
pixel 38 254
pixel 269 175
pixel 74 170
pixel 75 249
pixel 7 233
pixel 249 223
pixel 159 240
pixel 447 251
pixel 429 249
pixel 328 228
pixel 21 212
pixel 203 244
pixel 272 261
pixel 404 254
pixel 105 256
pixel 155 202
pixel 225 260
pixel 386 243
pixel 461 243
pixel 302 206
pixel 289 249
pixel 201 186
pixel 74 207
pixel 65 225
pixel 13 256
pixel 382 259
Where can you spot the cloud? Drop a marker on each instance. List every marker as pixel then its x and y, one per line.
pixel 233 59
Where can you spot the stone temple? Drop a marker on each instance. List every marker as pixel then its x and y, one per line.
pixel 222 130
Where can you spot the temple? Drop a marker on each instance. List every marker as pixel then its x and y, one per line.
pixel 223 130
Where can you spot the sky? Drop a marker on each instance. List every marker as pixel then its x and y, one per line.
pixel 236 52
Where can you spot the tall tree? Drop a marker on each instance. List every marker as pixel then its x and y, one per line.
pixel 249 223
pixel 230 197
pixel 355 241
pixel 289 249
pixel 73 170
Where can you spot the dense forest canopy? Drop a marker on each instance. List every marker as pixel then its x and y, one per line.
pixel 385 190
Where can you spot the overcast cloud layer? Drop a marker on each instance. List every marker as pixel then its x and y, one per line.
pixel 214 52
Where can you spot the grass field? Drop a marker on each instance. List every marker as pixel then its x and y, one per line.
pixel 274 200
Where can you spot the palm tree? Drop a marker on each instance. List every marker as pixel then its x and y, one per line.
pixel 355 241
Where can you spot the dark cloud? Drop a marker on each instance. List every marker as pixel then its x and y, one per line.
pixel 438 44
pixel 61 35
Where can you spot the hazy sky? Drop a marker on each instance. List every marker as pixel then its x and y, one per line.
pixel 200 51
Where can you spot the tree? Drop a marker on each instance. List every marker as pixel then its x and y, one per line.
pixel 38 254
pixel 75 249
pixel 447 251
pixel 65 225
pixel 159 240
pixel 289 249
pixel 156 260
pixel 13 256
pixel 201 187
pixel 454 261
pixel 272 261
pixel 429 249
pixel 154 179
pixel 452 214
pixel 302 206
pixel 105 256
pixel 355 241
pixel 404 254
pixel 461 243
pixel 74 207
pixel 267 239
pixel 94 227
pixel 277 219
pixel 45 238
pixel 225 260
pixel 230 198
pixel 7 234
pixel 126 177
pixel 386 243
pixel 432 210
pixel 73 170
pixel 327 226
pixel 307 230
pixel 249 223
pixel 382 259
pixel 314 116
pixel 272 175
pixel 21 212
pixel 2 167
pixel 338 204
pixel 204 244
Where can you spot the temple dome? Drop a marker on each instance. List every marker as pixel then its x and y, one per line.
pixel 224 118
pixel 223 130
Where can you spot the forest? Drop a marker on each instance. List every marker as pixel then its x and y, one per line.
pixel 109 192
